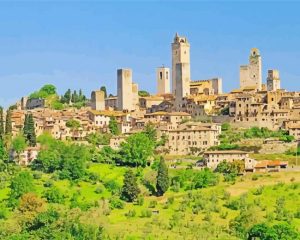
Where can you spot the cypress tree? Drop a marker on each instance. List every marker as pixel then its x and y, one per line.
pixel 29 130
pixel 8 125
pixel 162 180
pixel 1 123
pixel 25 126
pixel 130 189
pixel 31 136
pixel 103 88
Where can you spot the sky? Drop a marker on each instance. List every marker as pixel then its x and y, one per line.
pixel 75 44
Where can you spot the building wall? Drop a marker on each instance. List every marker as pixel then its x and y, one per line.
pixel 251 75
pixel 182 83
pixel 163 80
pixel 124 87
pixel 180 54
pixel 273 80
pixel 97 100
pixel 213 159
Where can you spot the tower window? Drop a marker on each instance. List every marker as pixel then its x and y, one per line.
pixel 167 75
pixel 160 75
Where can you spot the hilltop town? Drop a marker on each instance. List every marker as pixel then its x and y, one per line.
pixel 188 113
pixel 188 162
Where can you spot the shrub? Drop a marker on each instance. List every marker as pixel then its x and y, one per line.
pixel 146 213
pixel 152 204
pixel 170 200
pixel 223 214
pixel 112 186
pixel 259 190
pixel 99 190
pixel 140 200
pixel 254 177
pixel 37 175
pixel 116 203
pixel 130 213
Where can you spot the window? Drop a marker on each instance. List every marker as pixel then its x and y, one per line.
pixel 160 75
pixel 167 75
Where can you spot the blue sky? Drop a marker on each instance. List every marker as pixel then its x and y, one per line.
pixel 81 45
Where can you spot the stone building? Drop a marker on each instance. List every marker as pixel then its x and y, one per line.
pixel 181 73
pixel 251 74
pixel 273 80
pixel 206 87
pixel 97 100
pixel 192 138
pixel 127 91
pixel 163 80
pixel 213 158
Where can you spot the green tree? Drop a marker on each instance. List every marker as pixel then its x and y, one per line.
pixel 67 97
pixel 73 124
pixel 113 126
pixel 74 97
pixel 103 88
pixel 151 132
pixel 162 179
pixel 143 93
pixel 29 130
pixel 20 184
pixel 205 178
pixel 136 150
pixel 130 189
pixel 8 125
pixel 1 123
pixel 19 144
pixel 281 231
pixel 48 160
pixel 54 195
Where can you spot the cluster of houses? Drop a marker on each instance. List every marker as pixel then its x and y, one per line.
pixel 189 114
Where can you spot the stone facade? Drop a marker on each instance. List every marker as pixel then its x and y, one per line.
pixel 251 75
pixel 97 100
pixel 206 87
pixel 127 91
pixel 213 158
pixel 163 80
pixel 273 80
pixel 181 73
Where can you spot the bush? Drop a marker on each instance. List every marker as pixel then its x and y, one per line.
pixel 140 200
pixel 254 177
pixel 116 203
pixel 259 190
pixel 112 186
pixel 152 204
pixel 37 175
pixel 99 190
pixel 146 213
pixel 130 213
pixel 170 200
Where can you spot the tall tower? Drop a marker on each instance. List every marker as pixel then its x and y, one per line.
pixel 251 75
pixel 163 80
pixel 124 86
pixel 180 55
pixel 273 80
pixel 97 100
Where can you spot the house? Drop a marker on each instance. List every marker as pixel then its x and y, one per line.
pixel 25 157
pixel 270 166
pixel 213 158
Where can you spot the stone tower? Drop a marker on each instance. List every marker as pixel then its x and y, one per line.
pixel 181 56
pixel 98 100
pixel 124 86
pixel 251 75
pixel 273 80
pixel 163 80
